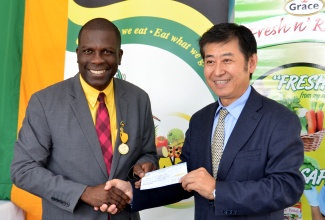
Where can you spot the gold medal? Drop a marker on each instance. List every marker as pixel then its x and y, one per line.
pixel 123 149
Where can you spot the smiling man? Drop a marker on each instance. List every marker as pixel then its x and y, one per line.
pixel 81 132
pixel 98 55
pixel 259 143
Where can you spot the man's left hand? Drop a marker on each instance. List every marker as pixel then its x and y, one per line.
pixel 140 169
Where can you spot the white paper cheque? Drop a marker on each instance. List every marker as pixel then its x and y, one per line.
pixel 163 177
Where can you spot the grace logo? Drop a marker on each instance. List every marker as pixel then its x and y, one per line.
pixel 304 7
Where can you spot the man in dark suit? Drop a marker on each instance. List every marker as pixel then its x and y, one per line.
pixel 58 156
pixel 258 174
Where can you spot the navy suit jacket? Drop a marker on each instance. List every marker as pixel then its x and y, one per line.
pixel 259 171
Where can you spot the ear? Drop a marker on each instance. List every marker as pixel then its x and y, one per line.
pixel 252 63
pixel 77 50
pixel 120 56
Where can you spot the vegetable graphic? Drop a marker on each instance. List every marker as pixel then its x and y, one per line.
pixel 301 113
pixel 311 119
pixel 293 104
pixel 320 118
pixel 310 163
pixel 312 130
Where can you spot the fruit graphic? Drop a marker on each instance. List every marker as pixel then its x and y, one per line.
pixel 178 150
pixel 161 145
pixel 162 152
pixel 175 136
pixel 175 142
pixel 161 141
pixel 171 151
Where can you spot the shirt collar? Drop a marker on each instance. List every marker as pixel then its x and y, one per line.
pixel 237 106
pixel 92 93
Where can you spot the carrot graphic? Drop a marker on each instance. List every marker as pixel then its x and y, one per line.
pixel 320 118
pixel 311 119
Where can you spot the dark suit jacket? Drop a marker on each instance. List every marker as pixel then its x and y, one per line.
pixel 57 153
pixel 259 171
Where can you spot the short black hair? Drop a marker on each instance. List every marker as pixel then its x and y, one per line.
pixel 100 24
pixel 225 32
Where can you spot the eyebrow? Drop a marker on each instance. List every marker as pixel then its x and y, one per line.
pixel 222 55
pixel 227 54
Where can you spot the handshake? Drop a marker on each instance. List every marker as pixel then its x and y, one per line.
pixel 116 194
pixel 123 193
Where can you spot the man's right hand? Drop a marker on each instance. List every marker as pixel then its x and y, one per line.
pixel 96 196
pixel 121 185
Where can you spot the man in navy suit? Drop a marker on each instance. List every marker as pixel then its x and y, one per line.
pixel 258 174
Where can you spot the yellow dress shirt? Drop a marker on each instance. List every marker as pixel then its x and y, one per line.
pixel 92 95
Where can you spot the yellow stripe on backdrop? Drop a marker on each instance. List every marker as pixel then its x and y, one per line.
pixel 44 46
pixel 134 8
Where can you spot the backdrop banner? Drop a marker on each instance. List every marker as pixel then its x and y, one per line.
pixel 290 36
pixel 161 55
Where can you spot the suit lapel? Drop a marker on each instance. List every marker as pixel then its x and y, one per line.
pixel 121 115
pixel 245 126
pixel 81 110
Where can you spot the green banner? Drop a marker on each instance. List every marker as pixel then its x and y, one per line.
pixel 11 39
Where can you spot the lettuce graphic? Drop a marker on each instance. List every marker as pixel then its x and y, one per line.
pixel 310 163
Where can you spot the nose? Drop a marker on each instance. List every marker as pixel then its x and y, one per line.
pixel 97 58
pixel 218 69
